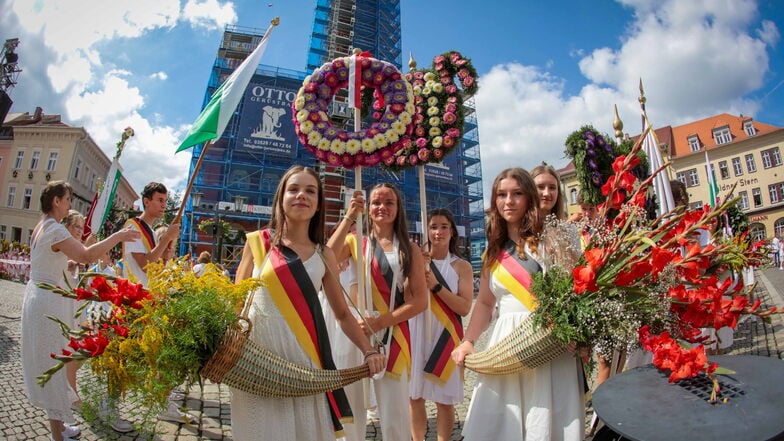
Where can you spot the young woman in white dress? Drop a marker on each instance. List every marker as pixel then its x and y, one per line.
pixel 542 404
pixel 289 259
pixel 434 375
pixel 51 246
pixel 396 276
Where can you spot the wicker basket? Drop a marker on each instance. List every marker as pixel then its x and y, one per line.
pixel 241 363
pixel 527 347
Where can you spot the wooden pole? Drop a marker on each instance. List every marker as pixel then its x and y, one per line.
pixel 192 180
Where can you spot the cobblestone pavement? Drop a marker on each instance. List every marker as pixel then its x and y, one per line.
pixel 210 404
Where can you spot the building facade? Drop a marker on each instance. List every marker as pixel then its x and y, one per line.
pixel 237 182
pixel 38 148
pixel 743 153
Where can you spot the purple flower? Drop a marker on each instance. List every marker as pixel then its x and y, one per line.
pixel 590 152
pixel 596 179
pixel 592 165
pixel 588 134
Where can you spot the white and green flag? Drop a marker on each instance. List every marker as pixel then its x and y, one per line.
pixel 213 120
pixel 713 188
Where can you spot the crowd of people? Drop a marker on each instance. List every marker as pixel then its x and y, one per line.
pixel 408 328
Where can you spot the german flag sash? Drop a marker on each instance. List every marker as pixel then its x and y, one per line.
pixel 148 240
pixel 515 274
pixel 290 287
pixel 148 237
pixel 439 366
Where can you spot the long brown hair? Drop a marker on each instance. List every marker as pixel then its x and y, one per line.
pixel 559 210
pixel 278 218
pixel 496 230
pixel 453 249
pixel 400 227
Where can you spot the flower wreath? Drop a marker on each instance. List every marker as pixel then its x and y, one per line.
pixel 389 132
pixel 439 115
pixel 593 155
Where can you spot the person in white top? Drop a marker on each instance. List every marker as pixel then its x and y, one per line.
pixel 51 245
pixel 137 254
pixel 204 258
pixel 435 332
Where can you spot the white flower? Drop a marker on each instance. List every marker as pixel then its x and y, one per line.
pixel 437 141
pixel 314 137
pixel 404 118
pixel 324 144
pixel 338 146
pixel 434 131
pixel 302 115
pixel 392 136
pixel 381 140
pixel 353 146
pixel 426 91
pixel 430 84
pixel 299 103
pixel 417 90
pixel 306 127
pixel 398 127
pixel 435 121
pixel 410 109
pixel 432 101
pixel 432 111
pixel 430 76
pixel 438 88
pixel 368 145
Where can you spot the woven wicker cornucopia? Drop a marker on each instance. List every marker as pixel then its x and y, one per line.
pixel 527 347
pixel 241 363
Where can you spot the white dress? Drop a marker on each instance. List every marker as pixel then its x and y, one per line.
pixel 280 419
pixel 540 405
pixel 421 349
pixel 40 335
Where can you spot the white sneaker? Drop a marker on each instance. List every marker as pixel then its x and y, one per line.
pixel 71 431
pixel 175 415
pixel 121 425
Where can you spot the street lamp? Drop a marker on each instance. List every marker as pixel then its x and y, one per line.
pixel 195 202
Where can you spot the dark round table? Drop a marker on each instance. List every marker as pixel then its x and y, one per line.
pixel 641 405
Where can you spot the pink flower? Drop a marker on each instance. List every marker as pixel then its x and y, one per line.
pixel 438 153
pixel 420 131
pixel 401 160
pixel 451 107
pixel 388 161
pixel 449 141
pixel 413 159
pixel 450 118
pixel 421 142
pixel 451 89
pixel 463 73
pixel 468 81
pixel 423 154
pixel 439 59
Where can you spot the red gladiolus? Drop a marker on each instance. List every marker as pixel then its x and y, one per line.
pixel 637 271
pixel 594 258
pixel 84 294
pixel 584 279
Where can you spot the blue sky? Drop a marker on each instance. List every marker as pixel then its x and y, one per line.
pixel 546 68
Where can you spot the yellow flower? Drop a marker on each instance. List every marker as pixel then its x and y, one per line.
pixel 299 103
pixel 431 85
pixel 410 109
pixel 314 137
pixel 353 146
pixel 302 116
pixel 368 145
pixel 438 88
pixel 398 128
pixel 432 101
pixel 426 91
pixel 404 118
pixel 381 141
pixel 324 144
pixel 437 141
pixel 435 121
pixel 430 76
pixel 432 111
pixel 434 131
pixel 338 146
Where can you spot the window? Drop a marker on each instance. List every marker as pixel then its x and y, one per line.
pixel 573 196
pixel 722 135
pixel 694 143
pixel 29 236
pixel 11 197
pixel 2 232
pixel 27 199
pixel 19 159
pixel 681 176
pixel 697 205
pixel 92 181
pixel 748 127
pixel 35 160
pixel 78 167
pixel 756 194
pixel 694 180
pixel 52 164
pixel 750 164
pixel 86 173
pixel 16 234
pixel 776 192
pixel 757 232
pixel 737 167
pixel 724 170
pixel 778 227
pixel 771 157
pixel 744 200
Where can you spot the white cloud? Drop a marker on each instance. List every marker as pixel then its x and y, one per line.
pixel 68 75
pixel 209 14
pixel 695 58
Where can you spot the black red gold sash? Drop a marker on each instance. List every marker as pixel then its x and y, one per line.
pixel 381 275
pixel 439 365
pixel 515 274
pixel 290 287
pixel 148 237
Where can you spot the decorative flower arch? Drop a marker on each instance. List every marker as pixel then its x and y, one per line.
pixel 392 123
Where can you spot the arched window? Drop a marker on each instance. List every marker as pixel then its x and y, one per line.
pixel 778 227
pixel 573 196
pixel 757 232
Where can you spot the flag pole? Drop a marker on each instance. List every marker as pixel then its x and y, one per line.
pixel 192 180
